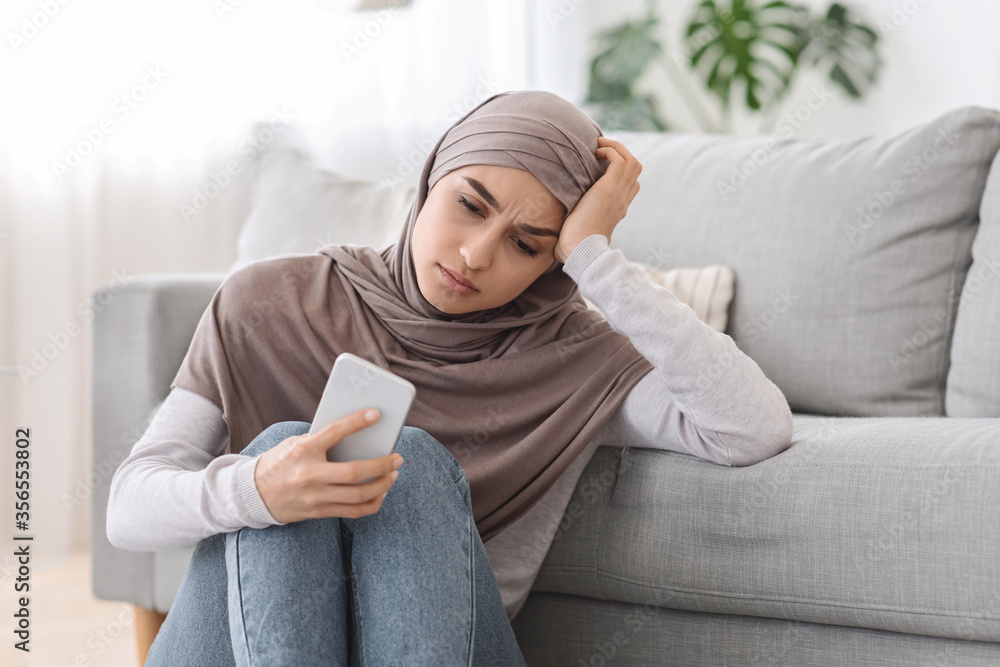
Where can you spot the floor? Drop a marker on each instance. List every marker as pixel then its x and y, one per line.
pixel 69 626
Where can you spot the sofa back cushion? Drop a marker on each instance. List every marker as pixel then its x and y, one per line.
pixel 974 376
pixel 849 254
pixel 296 206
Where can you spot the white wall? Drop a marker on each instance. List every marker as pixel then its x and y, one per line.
pixel 937 56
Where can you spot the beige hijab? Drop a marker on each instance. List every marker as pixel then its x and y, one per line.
pixel 515 392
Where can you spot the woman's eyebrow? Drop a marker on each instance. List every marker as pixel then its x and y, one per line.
pixel 484 193
pixel 491 200
pixel 536 231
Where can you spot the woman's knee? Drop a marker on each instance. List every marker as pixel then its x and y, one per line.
pixel 418 446
pixel 429 474
pixel 274 435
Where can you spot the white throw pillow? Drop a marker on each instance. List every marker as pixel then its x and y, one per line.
pixel 708 290
pixel 297 207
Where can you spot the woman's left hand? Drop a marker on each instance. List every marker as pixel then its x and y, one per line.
pixel 604 205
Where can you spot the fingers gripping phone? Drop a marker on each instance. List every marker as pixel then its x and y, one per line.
pixel 353 385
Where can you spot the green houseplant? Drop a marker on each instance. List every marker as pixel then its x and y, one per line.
pixel 744 52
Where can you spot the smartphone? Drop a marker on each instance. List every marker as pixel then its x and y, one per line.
pixel 355 384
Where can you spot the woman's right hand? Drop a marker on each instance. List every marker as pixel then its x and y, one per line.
pixel 296 481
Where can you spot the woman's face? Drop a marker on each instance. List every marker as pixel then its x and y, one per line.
pixel 495 226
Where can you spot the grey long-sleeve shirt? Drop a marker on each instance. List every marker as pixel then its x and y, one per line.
pixel 704 397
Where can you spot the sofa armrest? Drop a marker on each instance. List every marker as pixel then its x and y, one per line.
pixel 141 333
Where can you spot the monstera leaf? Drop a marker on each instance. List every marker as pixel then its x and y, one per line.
pixel 625 53
pixel 756 47
pixel 637 113
pixel 845 48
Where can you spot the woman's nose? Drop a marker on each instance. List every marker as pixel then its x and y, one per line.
pixel 476 250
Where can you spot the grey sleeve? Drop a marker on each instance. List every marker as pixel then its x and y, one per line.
pixel 704 397
pixel 177 487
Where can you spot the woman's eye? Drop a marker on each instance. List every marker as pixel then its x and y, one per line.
pixel 474 210
pixel 469 205
pixel 525 248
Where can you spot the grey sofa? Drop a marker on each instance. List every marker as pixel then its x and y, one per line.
pixel 868 289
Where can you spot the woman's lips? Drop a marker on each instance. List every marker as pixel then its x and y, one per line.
pixel 453 283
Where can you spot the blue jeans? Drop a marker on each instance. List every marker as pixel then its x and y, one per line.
pixel 408 585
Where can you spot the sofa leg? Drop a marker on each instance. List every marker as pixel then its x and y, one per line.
pixel 147 624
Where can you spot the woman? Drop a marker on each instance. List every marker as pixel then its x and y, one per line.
pixel 516 378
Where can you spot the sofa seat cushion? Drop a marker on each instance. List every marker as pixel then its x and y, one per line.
pixel 848 253
pixel 556 630
pixel 889 524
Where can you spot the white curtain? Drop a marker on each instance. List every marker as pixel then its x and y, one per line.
pixel 116 115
